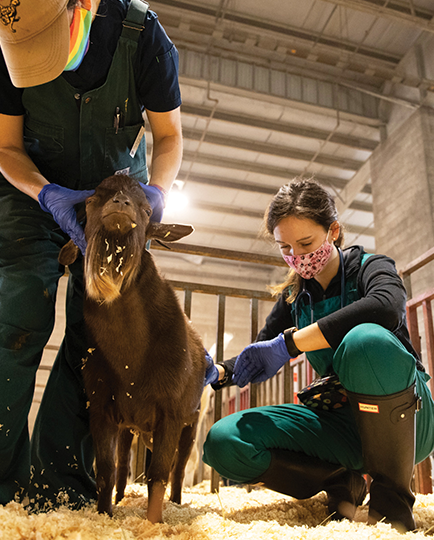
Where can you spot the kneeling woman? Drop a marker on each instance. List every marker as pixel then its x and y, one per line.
pixel 346 310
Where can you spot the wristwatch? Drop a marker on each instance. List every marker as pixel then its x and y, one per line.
pixel 228 366
pixel 288 334
pixel 226 376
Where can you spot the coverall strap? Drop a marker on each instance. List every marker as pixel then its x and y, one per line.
pixel 134 23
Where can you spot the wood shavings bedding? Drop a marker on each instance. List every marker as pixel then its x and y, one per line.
pixel 232 514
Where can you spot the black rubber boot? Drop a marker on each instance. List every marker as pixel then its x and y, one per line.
pixel 302 476
pixel 387 430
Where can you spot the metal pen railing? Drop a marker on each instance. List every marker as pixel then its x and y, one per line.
pixel 423 480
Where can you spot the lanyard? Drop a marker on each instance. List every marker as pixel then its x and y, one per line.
pixel 305 292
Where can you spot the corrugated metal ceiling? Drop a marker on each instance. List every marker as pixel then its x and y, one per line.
pixel 278 89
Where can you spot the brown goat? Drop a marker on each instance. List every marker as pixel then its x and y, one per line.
pixel 146 365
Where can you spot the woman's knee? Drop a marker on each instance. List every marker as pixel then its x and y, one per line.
pixel 218 442
pixel 221 443
pixel 368 339
pixel 232 452
pixel 372 360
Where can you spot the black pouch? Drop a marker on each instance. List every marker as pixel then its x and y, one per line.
pixel 325 393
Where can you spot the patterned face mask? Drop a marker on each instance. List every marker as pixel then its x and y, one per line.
pixel 79 35
pixel 310 264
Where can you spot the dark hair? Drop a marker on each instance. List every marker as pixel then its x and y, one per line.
pixel 71 4
pixel 302 198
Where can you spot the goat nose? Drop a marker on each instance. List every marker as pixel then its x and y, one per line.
pixel 121 198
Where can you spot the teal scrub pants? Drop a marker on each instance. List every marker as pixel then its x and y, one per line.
pixel 370 360
pixel 61 447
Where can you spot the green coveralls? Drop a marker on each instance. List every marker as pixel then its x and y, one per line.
pixel 72 139
pixel 370 360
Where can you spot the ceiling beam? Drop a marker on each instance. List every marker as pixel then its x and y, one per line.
pixel 350 141
pixel 258 168
pixel 346 196
pixel 226 209
pixel 253 167
pixel 284 31
pixel 236 233
pixel 363 116
pixel 255 214
pixel 272 149
pixel 253 188
pixel 394 10
pixel 191 25
pixel 359 229
pixel 224 182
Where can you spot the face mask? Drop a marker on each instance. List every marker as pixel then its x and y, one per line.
pixel 310 264
pixel 79 35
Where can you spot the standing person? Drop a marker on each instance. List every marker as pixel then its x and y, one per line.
pixel 346 310
pixel 75 79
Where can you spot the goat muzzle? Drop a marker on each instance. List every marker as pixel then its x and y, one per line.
pixel 122 222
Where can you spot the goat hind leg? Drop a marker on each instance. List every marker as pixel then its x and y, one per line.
pixel 123 463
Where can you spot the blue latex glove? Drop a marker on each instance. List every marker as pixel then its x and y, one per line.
pixel 59 202
pixel 156 199
pixel 211 373
pixel 260 361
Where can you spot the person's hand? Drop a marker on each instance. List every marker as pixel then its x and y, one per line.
pixel 211 373
pixel 59 202
pixel 156 198
pixel 260 361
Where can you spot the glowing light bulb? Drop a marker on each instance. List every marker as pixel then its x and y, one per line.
pixel 176 201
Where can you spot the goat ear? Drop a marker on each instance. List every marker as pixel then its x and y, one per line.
pixel 168 232
pixel 68 254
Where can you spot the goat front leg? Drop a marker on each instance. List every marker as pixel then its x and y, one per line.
pixel 123 464
pixel 105 436
pixel 166 439
pixel 186 442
